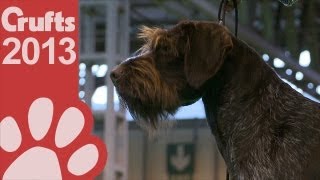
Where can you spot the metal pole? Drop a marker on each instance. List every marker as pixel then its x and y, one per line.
pixel 124 40
pixel 110 116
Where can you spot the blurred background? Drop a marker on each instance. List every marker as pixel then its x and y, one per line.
pixel 288 39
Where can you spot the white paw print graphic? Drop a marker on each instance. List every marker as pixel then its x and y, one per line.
pixel 52 161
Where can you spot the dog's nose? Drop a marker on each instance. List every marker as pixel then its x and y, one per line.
pixel 115 74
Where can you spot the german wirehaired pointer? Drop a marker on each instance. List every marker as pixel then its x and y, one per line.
pixel 264 129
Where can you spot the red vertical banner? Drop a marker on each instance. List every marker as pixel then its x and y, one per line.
pixel 45 130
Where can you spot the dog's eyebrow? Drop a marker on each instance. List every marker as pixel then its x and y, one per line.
pixel 149 32
pixel 156 42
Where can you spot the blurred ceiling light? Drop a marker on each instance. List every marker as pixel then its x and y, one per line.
pixel 278 63
pixel 102 71
pixel 265 57
pixel 94 69
pixel 305 58
pixel 299 76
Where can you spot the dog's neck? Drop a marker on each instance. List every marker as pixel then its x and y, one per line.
pixel 259 124
pixel 238 88
pixel 248 108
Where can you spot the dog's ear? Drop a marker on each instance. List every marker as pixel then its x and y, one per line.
pixel 205 51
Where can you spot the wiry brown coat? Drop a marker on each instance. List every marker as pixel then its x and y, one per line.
pixel 264 129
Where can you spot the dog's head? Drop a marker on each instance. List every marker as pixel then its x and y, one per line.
pixel 171 68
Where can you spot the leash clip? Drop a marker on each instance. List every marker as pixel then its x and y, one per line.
pixel 221 16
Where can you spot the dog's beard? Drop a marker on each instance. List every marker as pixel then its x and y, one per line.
pixel 150 116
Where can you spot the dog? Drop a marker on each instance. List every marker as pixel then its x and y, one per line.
pixel 263 128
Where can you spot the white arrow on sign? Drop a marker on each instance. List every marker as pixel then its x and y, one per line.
pixel 180 160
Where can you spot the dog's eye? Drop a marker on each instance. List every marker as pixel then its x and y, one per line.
pixel 163 49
